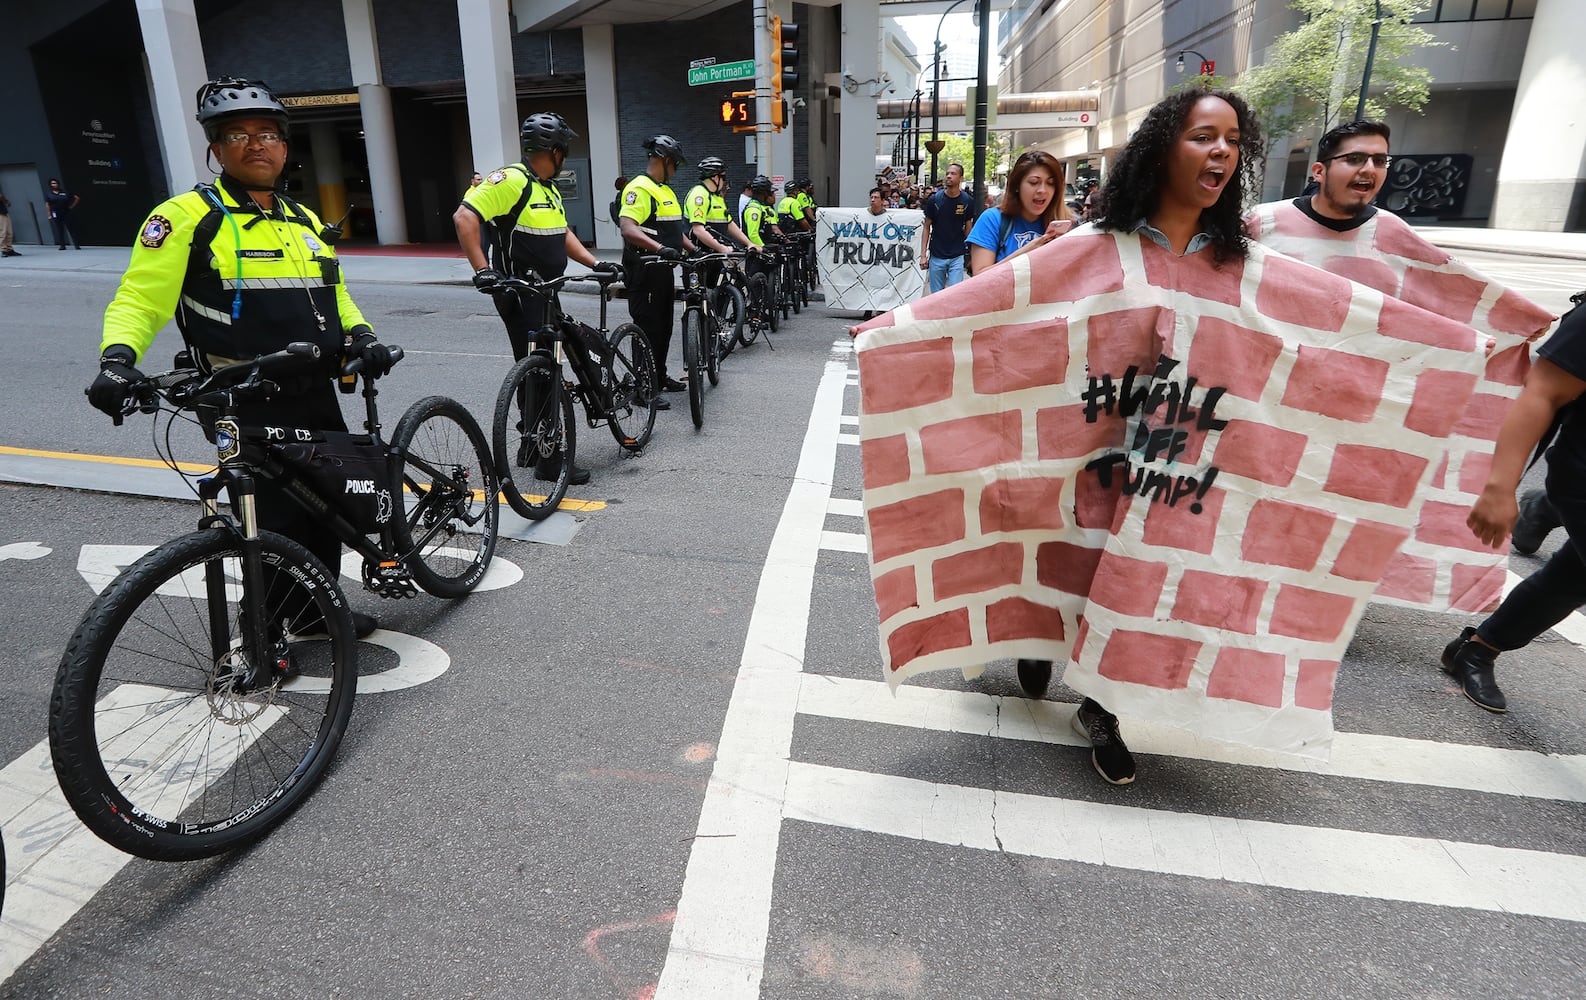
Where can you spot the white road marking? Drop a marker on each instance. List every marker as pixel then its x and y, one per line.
pixel 845 508
pixel 1355 755
pixel 718 940
pixel 54 864
pixel 1252 852
pixel 26 551
pixel 843 541
pixel 852 439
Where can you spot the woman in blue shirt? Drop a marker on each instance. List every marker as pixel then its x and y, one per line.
pixel 1032 214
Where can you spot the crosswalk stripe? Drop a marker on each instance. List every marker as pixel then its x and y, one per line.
pixel 1355 755
pixel 845 508
pixel 1252 852
pixel 852 439
pixel 843 541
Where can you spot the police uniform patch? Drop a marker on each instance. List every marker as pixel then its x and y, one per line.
pixel 312 244
pixel 497 176
pixel 631 199
pixel 155 231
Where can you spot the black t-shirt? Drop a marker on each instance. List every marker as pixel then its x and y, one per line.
pixel 1303 203
pixel 1567 349
pixel 950 218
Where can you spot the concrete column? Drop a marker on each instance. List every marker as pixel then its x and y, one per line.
pixel 1542 177
pixel 856 122
pixel 174 61
pixel 379 128
pixel 329 176
pixel 605 143
pixel 489 79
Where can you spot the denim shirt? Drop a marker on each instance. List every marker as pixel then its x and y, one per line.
pixel 1197 242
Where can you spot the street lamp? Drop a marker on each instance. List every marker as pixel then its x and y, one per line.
pixel 1371 53
pixel 1206 64
pixel 936 144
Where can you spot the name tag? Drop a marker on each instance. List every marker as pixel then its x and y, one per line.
pixel 262 254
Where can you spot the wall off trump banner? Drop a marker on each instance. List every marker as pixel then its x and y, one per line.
pixel 869 262
pixel 1185 480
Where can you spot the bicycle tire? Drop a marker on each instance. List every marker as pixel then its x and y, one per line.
pixel 634 387
pixel 758 293
pixel 773 293
pixel 712 342
pixel 523 439
pixel 694 357
pixel 795 283
pixel 735 310
pixel 162 747
pixel 450 492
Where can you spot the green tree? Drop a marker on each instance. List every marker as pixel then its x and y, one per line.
pixel 961 149
pixel 1311 79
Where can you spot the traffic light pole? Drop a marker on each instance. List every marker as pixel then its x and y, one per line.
pixel 981 131
pixel 762 86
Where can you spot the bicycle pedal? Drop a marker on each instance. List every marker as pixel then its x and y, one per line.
pixel 389 580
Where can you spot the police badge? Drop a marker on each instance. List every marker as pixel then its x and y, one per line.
pixel 497 176
pixel 155 231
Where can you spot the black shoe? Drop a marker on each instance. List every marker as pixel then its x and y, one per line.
pixel 670 384
pixel 1034 676
pixel 12 253
pixel 363 624
pixel 1472 663
pixel 1108 755
pixel 1537 520
pixel 661 404
pixel 546 470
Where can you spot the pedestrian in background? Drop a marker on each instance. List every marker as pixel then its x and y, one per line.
pixel 948 215
pixel 60 203
pixel 1032 213
pixel 6 250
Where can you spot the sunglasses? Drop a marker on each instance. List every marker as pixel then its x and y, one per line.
pixel 1359 159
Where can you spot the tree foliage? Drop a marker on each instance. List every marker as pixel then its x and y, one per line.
pixel 1311 78
pixel 961 149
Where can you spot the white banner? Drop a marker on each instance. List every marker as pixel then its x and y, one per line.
pixel 869 262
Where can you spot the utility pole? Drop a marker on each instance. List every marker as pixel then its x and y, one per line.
pixel 983 7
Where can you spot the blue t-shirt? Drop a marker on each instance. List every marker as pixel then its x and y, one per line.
pixel 948 216
pixel 1020 234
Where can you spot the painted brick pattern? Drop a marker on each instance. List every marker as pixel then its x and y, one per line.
pixel 1388 255
pixel 1199 555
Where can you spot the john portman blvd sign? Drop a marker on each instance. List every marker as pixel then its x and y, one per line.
pixel 721 73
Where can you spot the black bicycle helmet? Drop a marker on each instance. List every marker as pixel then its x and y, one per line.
pixel 790 188
pixel 760 185
pixel 806 183
pixel 228 99
pixel 546 131
pixel 666 147
pixel 711 166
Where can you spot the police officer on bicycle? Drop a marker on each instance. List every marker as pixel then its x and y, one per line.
pixel 790 211
pixel 706 208
pixel 652 223
pixel 523 210
pixel 244 270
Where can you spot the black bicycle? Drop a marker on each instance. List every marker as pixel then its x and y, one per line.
pixel 208 686
pixel 614 379
pixel 760 311
pixel 730 301
pixel 703 327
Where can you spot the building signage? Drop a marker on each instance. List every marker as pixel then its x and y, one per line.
pixel 319 100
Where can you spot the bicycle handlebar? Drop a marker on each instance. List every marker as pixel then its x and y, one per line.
pixel 188 388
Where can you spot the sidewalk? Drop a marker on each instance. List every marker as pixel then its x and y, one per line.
pixel 438 264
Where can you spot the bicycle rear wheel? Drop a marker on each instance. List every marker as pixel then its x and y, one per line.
pixel 694 357
pixel 759 295
pixel 169 739
pixel 533 428
pixel 773 286
pixel 451 496
pixel 795 285
pixel 732 310
pixel 634 387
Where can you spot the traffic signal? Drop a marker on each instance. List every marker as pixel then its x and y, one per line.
pixel 784 57
pixel 738 111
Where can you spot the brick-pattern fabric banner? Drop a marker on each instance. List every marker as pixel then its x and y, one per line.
pixel 1186 481
pixel 869 262
pixel 1441 566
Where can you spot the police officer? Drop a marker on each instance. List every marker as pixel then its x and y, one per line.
pixel 245 271
pixel 521 204
pixel 652 223
pixel 790 212
pixel 706 209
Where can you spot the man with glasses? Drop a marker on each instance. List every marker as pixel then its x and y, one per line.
pixel 244 270
pixel 1338 229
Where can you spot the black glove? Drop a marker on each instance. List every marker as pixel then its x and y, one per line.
pixel 606 267
pixel 113 386
pixel 376 357
pixel 669 254
pixel 487 278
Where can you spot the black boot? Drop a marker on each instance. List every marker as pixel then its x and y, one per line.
pixel 547 469
pixel 1471 663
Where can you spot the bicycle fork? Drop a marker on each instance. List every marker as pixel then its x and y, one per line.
pixel 242 491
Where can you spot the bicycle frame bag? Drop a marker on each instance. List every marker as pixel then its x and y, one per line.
pixel 349 472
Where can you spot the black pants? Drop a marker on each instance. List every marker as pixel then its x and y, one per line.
pixel 62 228
pixel 650 305
pixel 523 315
pixel 1547 596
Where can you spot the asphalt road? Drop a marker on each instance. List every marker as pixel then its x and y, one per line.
pixel 526 823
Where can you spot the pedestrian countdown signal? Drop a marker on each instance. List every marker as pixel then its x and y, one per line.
pixel 737 111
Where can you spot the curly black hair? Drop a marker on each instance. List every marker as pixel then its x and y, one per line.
pixel 1133 187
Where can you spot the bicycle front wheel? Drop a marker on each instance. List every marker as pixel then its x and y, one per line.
pixel 533 433
pixel 773 296
pixel 694 356
pixel 634 387
pixel 759 295
pixel 171 740
pixel 451 498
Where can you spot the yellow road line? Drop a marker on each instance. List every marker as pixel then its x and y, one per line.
pixel 567 503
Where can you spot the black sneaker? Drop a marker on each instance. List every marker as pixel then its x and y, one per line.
pixel 547 469
pixel 670 384
pixel 1108 754
pixel 1473 665
pixel 1537 519
pixel 662 404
